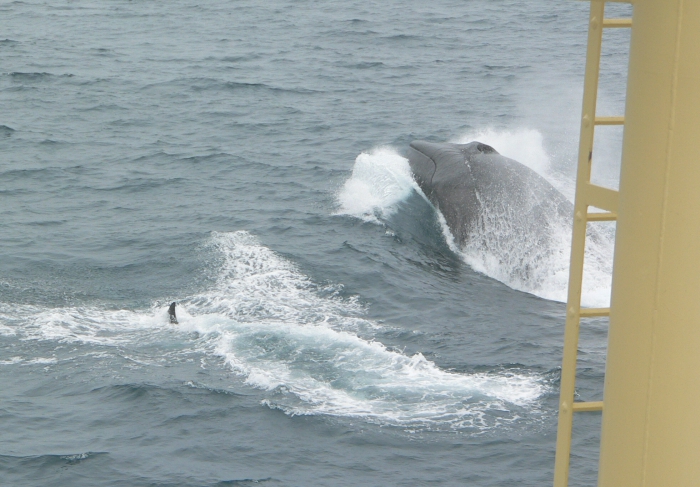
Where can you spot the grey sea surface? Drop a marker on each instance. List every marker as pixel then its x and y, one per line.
pixel 245 160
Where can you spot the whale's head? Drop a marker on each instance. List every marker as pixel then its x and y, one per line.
pixel 472 185
pixel 425 158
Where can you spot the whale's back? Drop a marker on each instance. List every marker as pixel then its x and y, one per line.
pixel 475 187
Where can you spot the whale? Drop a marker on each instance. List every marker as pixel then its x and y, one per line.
pixel 477 191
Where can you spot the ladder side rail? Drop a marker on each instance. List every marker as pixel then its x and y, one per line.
pixel 578 242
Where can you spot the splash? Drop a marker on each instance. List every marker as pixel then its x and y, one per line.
pixel 304 346
pixel 524 145
pixel 536 260
pixel 380 180
pixel 498 245
pixel 517 255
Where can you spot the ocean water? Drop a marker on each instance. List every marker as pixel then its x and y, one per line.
pixel 246 160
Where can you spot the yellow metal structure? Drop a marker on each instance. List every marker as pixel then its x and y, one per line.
pixel 651 420
pixel 587 195
pixel 651 423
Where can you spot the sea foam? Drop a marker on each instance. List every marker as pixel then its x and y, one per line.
pixel 275 328
pixel 306 348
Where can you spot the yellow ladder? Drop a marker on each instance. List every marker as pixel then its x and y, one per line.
pixel 587 195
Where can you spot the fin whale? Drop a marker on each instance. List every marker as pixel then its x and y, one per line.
pixel 171 313
pixel 475 187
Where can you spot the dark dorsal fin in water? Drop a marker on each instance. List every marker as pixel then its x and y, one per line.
pixel 171 312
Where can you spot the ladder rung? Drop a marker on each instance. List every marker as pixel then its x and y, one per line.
pixel 613 23
pixel 607 216
pixel 593 312
pixel 600 197
pixel 609 120
pixel 580 407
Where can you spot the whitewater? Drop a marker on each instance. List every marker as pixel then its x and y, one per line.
pixel 302 344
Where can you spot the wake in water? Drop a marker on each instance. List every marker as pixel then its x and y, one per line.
pixel 299 343
pixel 497 245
